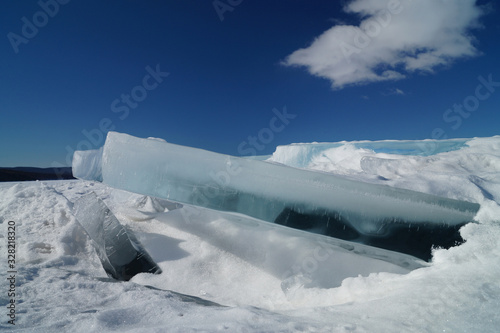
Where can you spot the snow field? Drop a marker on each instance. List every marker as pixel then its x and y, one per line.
pixel 225 259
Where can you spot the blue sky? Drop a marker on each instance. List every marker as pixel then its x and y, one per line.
pixel 243 76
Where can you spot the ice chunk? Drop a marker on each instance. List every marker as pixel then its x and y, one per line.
pixel 87 164
pixel 314 201
pixel 301 155
pixel 121 254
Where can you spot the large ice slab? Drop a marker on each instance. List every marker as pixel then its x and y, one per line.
pixel 379 215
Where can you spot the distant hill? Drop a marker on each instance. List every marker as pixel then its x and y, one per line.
pixel 28 173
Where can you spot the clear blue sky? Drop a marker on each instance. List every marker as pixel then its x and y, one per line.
pixel 347 70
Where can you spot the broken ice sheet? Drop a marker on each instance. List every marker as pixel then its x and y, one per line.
pixel 119 251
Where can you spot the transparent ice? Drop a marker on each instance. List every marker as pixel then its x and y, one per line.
pixel 120 253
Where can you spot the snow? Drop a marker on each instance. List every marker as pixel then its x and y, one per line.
pixel 240 263
pixel 301 155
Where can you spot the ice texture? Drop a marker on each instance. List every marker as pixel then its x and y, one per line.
pixel 392 218
pixel 119 251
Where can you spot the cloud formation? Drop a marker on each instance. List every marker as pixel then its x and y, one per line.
pixel 394 38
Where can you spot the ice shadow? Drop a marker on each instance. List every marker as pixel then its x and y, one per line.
pixel 478 181
pixel 163 248
pixel 415 239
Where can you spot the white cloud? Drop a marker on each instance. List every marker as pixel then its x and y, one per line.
pixel 394 38
pixel 393 91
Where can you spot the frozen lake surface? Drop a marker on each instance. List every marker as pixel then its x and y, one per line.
pixel 229 272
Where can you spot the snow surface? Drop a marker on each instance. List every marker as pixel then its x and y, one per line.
pixel 62 286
